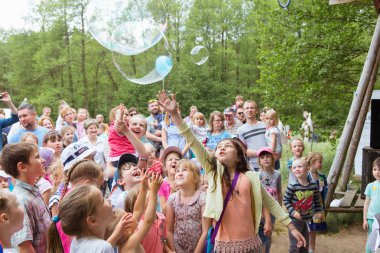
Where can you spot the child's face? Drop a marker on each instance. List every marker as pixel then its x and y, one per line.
pixel 376 172
pixel 297 148
pixel 299 169
pixel 171 163
pixel 55 144
pixel 34 166
pixel 137 126
pixel 82 115
pixel 266 160
pixel 103 212
pixel 4 184
pixel 15 213
pixel 270 120
pixel 199 121
pixel 68 136
pixel 184 176
pixel 317 164
pixel 47 124
pixel 226 152
pixel 130 176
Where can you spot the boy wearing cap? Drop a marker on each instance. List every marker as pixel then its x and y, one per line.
pixel 127 176
pixel 22 161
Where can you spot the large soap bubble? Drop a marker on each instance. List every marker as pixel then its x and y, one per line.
pixel 149 66
pixel 103 16
pixel 199 55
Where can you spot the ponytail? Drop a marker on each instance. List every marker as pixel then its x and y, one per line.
pixel 54 244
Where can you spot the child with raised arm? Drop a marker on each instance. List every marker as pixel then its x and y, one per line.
pixel 22 161
pixel 302 200
pixel 372 200
pixel 229 172
pixel 133 242
pixel 85 215
pixel 187 229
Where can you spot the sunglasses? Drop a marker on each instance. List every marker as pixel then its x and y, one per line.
pixel 240 113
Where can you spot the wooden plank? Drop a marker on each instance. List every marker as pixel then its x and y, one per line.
pixel 348 198
pixel 331 2
pixel 344 210
pixel 359 203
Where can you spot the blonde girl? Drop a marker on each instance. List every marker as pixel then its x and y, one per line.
pixel 187 230
pixel 272 133
pixel 84 214
pixel 46 122
pixel 67 133
pixel 235 234
pixel 84 172
pixel 314 160
pixel 199 126
pixel 11 219
pixel 297 147
pixel 82 116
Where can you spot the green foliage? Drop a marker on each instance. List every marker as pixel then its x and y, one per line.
pixel 308 57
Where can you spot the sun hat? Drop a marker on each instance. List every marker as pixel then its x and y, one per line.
pixel 75 152
pixel 172 149
pixel 3 174
pixel 263 150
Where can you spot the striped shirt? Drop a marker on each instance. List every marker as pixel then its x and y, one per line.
pixel 303 199
pixel 254 136
pixel 36 217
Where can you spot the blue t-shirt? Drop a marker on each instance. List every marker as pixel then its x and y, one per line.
pixel 373 192
pixel 213 140
pixel 39 132
pixel 4 123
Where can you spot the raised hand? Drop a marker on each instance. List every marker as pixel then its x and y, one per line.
pixel 121 124
pixel 4 96
pixel 155 183
pixel 170 105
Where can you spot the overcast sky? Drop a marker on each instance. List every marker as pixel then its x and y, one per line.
pixel 12 11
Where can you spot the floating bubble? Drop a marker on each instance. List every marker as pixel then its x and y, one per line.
pixel 103 16
pixel 149 66
pixel 199 55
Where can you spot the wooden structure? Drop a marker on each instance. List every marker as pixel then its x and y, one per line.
pixel 346 150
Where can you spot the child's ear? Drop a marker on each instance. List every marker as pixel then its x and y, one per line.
pixel 4 218
pixel 90 220
pixel 120 182
pixel 21 167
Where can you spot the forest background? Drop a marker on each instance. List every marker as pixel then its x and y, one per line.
pixel 306 57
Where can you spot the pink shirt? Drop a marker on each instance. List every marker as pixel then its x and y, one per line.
pixel 119 144
pixel 153 242
pixel 80 130
pixel 164 190
pixel 66 240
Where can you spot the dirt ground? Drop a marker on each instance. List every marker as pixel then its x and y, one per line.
pixel 350 240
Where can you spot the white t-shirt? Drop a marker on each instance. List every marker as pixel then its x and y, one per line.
pixel 43 185
pixel 93 245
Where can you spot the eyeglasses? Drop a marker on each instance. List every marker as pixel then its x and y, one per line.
pixel 218 120
pixel 132 114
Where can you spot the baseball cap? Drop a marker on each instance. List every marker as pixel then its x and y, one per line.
pixel 264 149
pixel 171 149
pixel 127 158
pixel 229 110
pixel 75 152
pixel 3 174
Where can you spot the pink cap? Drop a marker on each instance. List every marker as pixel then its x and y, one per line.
pixel 264 149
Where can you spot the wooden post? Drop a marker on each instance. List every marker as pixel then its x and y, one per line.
pixel 340 155
pixel 358 128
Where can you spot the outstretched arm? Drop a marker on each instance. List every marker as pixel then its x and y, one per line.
pixel 170 106
pixel 149 216
pixel 139 207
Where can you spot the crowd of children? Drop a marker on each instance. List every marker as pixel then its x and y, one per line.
pixel 91 188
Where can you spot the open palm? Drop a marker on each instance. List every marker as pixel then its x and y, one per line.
pixel 170 105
